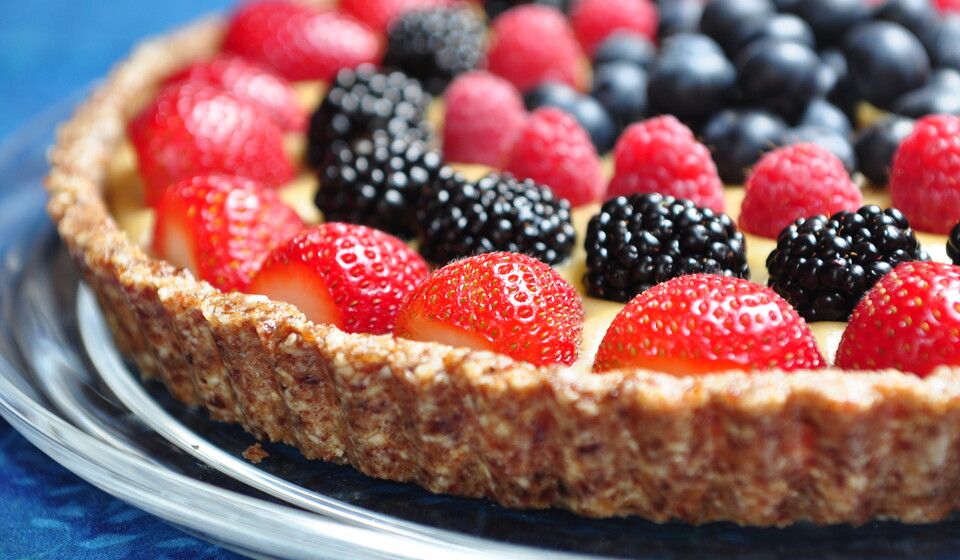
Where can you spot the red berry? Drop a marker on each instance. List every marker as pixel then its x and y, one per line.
pixel 221 227
pixel 378 14
pixel 532 44
pixel 947 7
pixel 924 178
pixel 661 155
pixel 347 275
pixel 483 117
pixel 193 128
pixel 251 83
pixel 595 20
pixel 502 302
pixel 300 42
pixel 910 321
pixel 554 150
pixel 798 181
pixel 706 323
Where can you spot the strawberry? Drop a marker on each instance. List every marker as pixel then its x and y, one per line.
pixel 502 302
pixel 221 227
pixel 193 128
pixel 250 82
pixel 347 275
pixel 300 42
pixel 705 323
pixel 379 14
pixel 910 321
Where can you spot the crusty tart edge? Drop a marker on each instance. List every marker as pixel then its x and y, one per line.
pixel 756 449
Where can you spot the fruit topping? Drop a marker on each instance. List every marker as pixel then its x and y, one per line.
pixel 377 182
pixel 502 302
pixel 909 321
pixel 350 276
pixel 595 20
pixel 484 114
pixel 886 61
pixel 641 240
pixel 661 155
pixel 780 27
pixel 923 179
pixel 457 218
pixel 738 138
pixel 435 45
pixel 722 20
pixel 781 76
pixel 221 227
pixel 679 16
pixel 379 14
pixel 691 79
pixel 824 266
pixel 823 114
pixel 625 46
pixel 705 323
pixel 591 115
pixel 298 41
pixel 834 141
pixel 621 87
pixel 953 244
pixel 876 145
pixel 554 151
pixel 794 182
pixel 192 128
pixel 831 19
pixel 362 101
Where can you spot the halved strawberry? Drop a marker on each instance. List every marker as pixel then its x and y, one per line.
pixel 910 321
pixel 221 227
pixel 502 302
pixel 298 41
pixel 704 323
pixel 249 82
pixel 347 275
pixel 193 128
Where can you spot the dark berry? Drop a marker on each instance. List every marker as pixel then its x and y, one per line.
pixel 640 240
pixel 723 19
pixel 834 142
pixel 434 45
pixel 823 114
pixel 831 19
pixel 946 78
pixel 497 7
pixel 377 182
pixel 690 79
pixel 362 101
pixel 781 76
pixel 886 61
pixel 625 47
pixel 679 16
pixel 737 138
pixel 876 145
pixel 944 46
pixel 621 87
pixel 782 27
pixel 932 99
pixel 591 115
pixel 824 266
pixel 550 94
pixel 458 219
pixel 919 16
pixel 953 244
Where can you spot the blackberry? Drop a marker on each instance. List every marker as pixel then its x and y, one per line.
pixel 823 266
pixel 361 101
pixel 497 213
pixel 435 45
pixel 377 182
pixel 953 244
pixel 640 240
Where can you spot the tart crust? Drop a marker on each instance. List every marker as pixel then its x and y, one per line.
pixel 755 449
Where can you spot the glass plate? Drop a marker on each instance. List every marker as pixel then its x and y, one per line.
pixel 64 386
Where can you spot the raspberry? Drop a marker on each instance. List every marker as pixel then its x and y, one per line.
pixel 798 181
pixel 552 149
pixel 379 14
pixel 517 51
pixel 595 20
pixel 484 116
pixel 923 179
pixel 947 7
pixel 661 155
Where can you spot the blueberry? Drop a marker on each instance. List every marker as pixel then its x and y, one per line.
pixel 625 47
pixel 823 114
pixel 835 84
pixel 781 76
pixel 737 138
pixel 946 78
pixel 928 100
pixel 621 87
pixel 831 19
pixel 876 144
pixel 690 44
pixel 596 121
pixel 886 61
pixel 945 45
pixel 690 80
pixel 551 94
pixel 785 27
pixel 918 16
pixel 678 16
pixel 722 19
pixel 831 140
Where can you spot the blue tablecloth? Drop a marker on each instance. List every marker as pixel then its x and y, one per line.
pixel 49 49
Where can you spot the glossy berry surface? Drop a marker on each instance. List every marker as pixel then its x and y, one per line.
pixel 923 181
pixel 502 302
pixel 886 61
pixel 876 145
pixel 823 114
pixel 679 16
pixel 621 88
pixel 641 240
pixel 779 27
pixel 588 111
pixel 707 323
pixel 458 219
pixel 831 19
pixel 823 266
pixel 723 20
pixel 834 141
pixel 953 244
pixel 909 321
pixel 484 113
pixel 595 20
pixel 918 16
pixel 944 46
pixel 932 99
pixel 781 76
pixel 690 86
pixel 625 47
pixel 738 138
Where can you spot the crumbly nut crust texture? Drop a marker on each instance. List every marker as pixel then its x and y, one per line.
pixel 756 449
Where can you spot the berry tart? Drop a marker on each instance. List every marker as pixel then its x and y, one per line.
pixel 614 257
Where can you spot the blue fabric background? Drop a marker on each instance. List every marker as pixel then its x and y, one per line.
pixel 49 49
